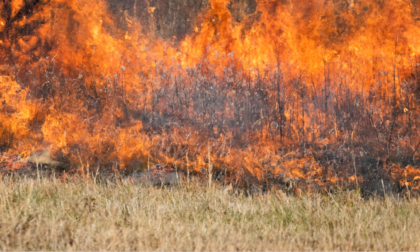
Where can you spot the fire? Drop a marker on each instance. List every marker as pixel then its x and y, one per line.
pixel 16 116
pixel 310 90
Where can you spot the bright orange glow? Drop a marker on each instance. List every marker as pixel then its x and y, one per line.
pixel 312 90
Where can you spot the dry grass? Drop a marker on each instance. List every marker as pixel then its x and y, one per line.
pixel 50 215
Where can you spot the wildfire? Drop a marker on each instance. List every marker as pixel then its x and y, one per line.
pixel 320 91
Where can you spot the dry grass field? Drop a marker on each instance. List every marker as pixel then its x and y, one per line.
pixel 52 215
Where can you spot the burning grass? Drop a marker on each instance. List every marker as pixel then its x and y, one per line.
pixel 317 99
pixel 48 214
pixel 290 93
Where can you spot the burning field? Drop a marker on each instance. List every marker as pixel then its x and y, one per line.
pixel 305 96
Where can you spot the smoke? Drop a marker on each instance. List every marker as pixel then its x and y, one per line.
pixel 43 157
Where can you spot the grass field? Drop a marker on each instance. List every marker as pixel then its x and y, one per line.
pixel 51 215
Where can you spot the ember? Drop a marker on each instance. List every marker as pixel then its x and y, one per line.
pixel 322 93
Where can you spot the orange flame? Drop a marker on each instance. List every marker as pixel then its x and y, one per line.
pixel 292 90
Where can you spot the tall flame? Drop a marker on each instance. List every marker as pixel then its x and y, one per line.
pixel 298 89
